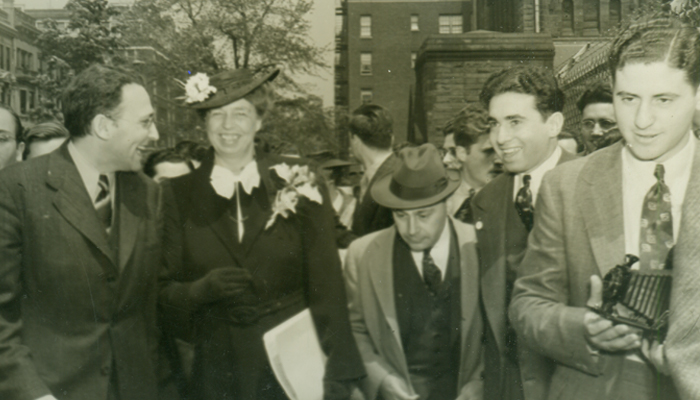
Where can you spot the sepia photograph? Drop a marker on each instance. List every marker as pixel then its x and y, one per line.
pixel 350 200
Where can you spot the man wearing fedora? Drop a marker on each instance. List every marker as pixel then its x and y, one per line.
pixel 524 106
pixel 413 289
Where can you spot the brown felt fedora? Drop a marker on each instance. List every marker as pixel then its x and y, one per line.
pixel 233 85
pixel 421 180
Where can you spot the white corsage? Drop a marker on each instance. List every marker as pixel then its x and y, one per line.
pixel 299 181
pixel 197 88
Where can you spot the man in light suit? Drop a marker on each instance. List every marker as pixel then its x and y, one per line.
pixel 524 105
pixel 79 251
pixel 413 289
pixel 625 199
pixel 371 137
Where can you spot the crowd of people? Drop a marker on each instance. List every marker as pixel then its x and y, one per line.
pixel 498 266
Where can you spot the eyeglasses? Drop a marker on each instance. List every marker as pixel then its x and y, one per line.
pixel 146 123
pixel 605 124
pixel 451 150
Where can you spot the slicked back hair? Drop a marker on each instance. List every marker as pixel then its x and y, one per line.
pixel 659 39
pixel 599 92
pixel 96 90
pixel 373 125
pixel 536 81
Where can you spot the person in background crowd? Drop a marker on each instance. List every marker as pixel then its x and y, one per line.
pixel 191 151
pixel 333 170
pixel 627 198
pixel 79 253
pixel 413 289
pixel 43 139
pixel 11 145
pixel 598 123
pixel 371 137
pixel 525 108
pixel 166 163
pixel 236 266
pixel 474 154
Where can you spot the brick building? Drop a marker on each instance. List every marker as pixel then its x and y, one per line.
pixel 379 41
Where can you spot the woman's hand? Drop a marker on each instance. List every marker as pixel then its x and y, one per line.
pixel 220 284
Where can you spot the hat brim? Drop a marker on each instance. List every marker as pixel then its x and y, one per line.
pixel 335 163
pixel 225 96
pixel 384 197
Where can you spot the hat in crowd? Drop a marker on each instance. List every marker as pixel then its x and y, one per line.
pixel 326 159
pixel 420 180
pixel 231 86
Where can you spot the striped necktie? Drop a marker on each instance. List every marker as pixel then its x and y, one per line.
pixel 103 203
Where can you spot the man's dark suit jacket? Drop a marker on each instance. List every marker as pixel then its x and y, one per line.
pixel 71 308
pixel 369 216
pixel 490 207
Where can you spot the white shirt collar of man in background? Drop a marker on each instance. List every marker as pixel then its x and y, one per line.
pixel 537 174
pixel 223 180
pixel 638 177
pixel 440 252
pixel 370 172
pixel 90 175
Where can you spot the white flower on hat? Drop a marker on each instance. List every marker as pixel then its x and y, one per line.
pixel 197 88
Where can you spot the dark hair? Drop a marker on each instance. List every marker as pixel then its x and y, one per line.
pixel 96 90
pixel 260 98
pixel 666 39
pixel 43 133
pixel 470 122
pixel 191 150
pixel 598 92
pixel 373 125
pixel 535 81
pixel 18 123
pixel 162 156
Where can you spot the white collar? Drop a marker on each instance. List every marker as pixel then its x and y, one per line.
pixel 223 180
pixel 89 174
pixel 537 174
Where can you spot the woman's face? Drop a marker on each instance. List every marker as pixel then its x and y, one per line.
pixel 231 128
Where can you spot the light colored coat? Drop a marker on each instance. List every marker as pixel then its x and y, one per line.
pixel 370 284
pixel 579 232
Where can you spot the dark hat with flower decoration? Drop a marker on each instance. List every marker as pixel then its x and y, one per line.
pixel 203 92
pixel 420 180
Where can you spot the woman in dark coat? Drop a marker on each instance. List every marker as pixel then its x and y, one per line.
pixel 239 262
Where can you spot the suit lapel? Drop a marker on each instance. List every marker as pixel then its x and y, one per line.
pixel 131 203
pixel 381 273
pixel 73 201
pixel 493 264
pixel 469 289
pixel 599 197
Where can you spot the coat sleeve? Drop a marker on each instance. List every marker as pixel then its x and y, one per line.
pixel 377 367
pixel 326 291
pixel 539 310
pixel 20 380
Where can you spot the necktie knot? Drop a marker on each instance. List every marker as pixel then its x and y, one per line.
pixel 523 203
pixel 659 172
pixel 431 273
pixel 103 203
pixel 526 180
pixel 103 183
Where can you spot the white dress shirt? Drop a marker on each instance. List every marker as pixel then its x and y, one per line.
pixel 536 175
pixel 440 252
pixel 225 182
pixel 638 177
pixel 90 175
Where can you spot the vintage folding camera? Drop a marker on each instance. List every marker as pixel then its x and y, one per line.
pixel 637 299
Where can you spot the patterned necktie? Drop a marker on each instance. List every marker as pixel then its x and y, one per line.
pixel 431 273
pixel 656 236
pixel 103 203
pixel 523 203
pixel 464 212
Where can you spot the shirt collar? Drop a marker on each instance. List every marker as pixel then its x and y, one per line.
pixel 223 180
pixel 675 168
pixel 374 167
pixel 537 174
pixel 89 174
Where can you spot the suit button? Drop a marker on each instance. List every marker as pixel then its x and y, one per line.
pixel 105 370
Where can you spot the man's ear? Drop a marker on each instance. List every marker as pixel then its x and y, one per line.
pixel 555 123
pixel 19 152
pixel 102 127
pixel 461 153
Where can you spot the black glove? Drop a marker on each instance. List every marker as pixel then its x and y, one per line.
pixel 220 284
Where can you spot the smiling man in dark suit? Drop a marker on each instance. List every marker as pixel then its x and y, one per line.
pixel 78 253
pixel 524 105
pixel 371 137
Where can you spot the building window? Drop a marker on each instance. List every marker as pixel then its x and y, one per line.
pixel 414 55
pixel 567 17
pixel 450 24
pixel 8 58
pixel 23 101
pixel 366 26
pixel 337 58
pixel 365 96
pixel 338 25
pixel 414 22
pixel 366 64
pixel 615 12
